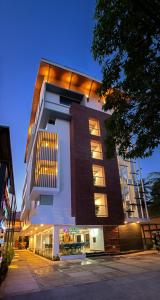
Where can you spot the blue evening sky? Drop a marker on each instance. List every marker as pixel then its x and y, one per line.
pixel 58 30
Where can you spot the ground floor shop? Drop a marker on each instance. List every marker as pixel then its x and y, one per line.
pixel 66 240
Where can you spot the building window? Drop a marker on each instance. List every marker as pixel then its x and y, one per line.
pixel 101 207
pixel 46 200
pixel 65 101
pixel 98 175
pixel 45 163
pixel 52 122
pixel 96 150
pixel 94 127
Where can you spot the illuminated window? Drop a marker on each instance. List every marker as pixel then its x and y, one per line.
pixel 45 165
pixel 101 207
pixel 47 144
pixel 96 150
pixel 98 175
pixel 94 128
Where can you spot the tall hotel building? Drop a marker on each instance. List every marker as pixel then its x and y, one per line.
pixel 74 199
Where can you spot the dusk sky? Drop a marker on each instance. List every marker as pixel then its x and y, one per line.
pixel 58 30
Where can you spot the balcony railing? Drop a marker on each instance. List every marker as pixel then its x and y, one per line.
pixel 99 181
pixel 45 162
pixel 96 154
pixel 101 210
pixel 94 131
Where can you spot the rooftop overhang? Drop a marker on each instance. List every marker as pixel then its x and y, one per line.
pixel 62 77
pixel 35 229
pixel 37 191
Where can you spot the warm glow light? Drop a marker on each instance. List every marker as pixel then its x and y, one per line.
pixel 36 228
pixel 42 225
pixel 29 130
pixel 137 222
pixel 125 222
pixel 13 267
pixel 66 79
pixel 98 202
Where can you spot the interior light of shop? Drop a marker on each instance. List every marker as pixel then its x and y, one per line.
pixel 137 222
pixel 42 225
pixel 125 222
pixel 36 228
pixel 94 232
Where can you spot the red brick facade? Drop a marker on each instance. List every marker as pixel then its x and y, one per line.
pixel 83 190
pixel 111 239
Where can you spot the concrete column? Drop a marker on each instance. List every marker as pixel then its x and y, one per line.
pixel 55 240
pixel 29 246
pixel 34 243
pixel 41 244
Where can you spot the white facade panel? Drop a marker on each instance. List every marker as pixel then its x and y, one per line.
pixel 60 212
pixel 96 239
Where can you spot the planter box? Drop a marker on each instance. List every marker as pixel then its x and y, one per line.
pixel 75 256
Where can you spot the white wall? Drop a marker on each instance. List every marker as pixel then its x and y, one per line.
pixel 52 102
pixel 98 234
pixel 51 97
pixel 94 104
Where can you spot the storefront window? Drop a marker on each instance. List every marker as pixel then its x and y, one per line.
pixel 75 240
pixel 44 243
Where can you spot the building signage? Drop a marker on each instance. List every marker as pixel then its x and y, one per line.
pixel 71 230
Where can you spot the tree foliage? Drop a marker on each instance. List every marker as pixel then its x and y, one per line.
pixel 126 43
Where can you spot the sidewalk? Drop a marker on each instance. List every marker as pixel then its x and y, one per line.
pixel 145 252
pixel 30 273
pixel 19 278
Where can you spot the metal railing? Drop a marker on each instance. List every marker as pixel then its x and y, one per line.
pixel 98 181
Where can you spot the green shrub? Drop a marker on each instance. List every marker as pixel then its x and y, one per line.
pixel 6 260
pixel 9 254
pixel 3 269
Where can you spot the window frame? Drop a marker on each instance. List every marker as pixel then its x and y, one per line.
pixel 105 205
pixel 102 178
pixel 97 127
pixel 100 152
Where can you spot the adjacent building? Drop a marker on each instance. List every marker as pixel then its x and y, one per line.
pixel 7 192
pixel 74 199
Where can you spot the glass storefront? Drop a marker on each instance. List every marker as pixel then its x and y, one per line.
pixel 42 243
pixel 65 240
pixel 76 240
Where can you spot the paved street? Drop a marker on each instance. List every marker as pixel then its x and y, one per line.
pixel 128 277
